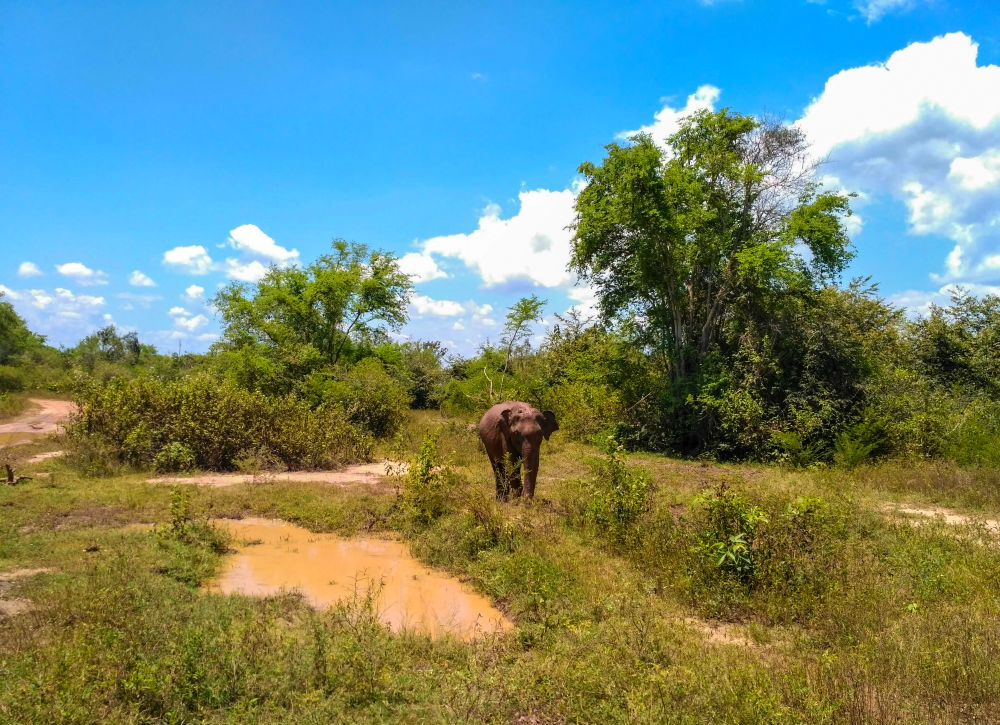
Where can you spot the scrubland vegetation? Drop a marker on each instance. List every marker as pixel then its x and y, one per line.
pixel 714 538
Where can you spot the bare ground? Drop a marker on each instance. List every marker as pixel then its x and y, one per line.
pixel 10 607
pixel 949 516
pixel 48 418
pixel 375 476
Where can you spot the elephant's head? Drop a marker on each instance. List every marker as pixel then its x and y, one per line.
pixel 527 422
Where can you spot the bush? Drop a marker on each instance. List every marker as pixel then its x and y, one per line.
pixel 372 398
pixel 132 421
pixel 174 457
pixel 425 488
pixel 618 494
pixel 11 379
pixel 726 525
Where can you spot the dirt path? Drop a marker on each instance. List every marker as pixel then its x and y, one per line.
pixel 949 516
pixel 47 420
pixel 372 475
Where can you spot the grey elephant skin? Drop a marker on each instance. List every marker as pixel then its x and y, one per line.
pixel 512 433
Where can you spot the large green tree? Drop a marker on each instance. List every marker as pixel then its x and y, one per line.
pixel 298 319
pixel 725 219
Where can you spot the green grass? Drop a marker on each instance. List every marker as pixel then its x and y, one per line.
pixel 849 615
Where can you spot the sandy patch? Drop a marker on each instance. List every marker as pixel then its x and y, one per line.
pixel 949 516
pixel 15 606
pixel 720 632
pixel 274 556
pixel 39 457
pixel 371 475
pixel 47 419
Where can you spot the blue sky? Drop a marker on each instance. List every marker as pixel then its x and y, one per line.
pixel 150 152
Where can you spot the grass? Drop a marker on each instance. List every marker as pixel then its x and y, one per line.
pixel 848 615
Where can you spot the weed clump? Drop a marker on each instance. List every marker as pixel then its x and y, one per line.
pixel 424 494
pixel 618 494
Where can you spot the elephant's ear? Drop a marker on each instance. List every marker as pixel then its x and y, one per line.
pixel 548 423
pixel 505 417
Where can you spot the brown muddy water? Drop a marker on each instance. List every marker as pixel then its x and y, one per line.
pixel 275 555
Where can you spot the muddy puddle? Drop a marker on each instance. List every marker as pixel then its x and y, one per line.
pixel 274 555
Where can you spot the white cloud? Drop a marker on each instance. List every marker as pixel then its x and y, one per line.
pixel 60 312
pixel 138 279
pixel 28 269
pixel 252 271
pixel 420 267
pixel 192 259
pixel 249 238
pixel 459 325
pixel 668 120
pixel 586 302
pixel 424 305
pixel 874 10
pixel 922 128
pixel 191 323
pixel 194 292
pixel 185 320
pixel 917 303
pixel 82 274
pixel 532 245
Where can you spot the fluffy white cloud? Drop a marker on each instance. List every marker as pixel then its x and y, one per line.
pixel 28 269
pixel 424 305
pixel 668 120
pixel 194 292
pixel 82 274
pixel 420 267
pixel 59 313
pixel 923 128
pixel 192 259
pixel 532 245
pixel 185 320
pixel 191 323
pixel 138 279
pixel 251 271
pixel 249 238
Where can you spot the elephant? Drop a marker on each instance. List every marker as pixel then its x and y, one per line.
pixel 512 432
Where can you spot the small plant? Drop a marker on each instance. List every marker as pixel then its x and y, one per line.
pixel 424 488
pixel 851 450
pixel 180 512
pixel 174 457
pixel 727 524
pixel 619 494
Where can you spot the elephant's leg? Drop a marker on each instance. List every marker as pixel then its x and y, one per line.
pixel 514 476
pixel 500 474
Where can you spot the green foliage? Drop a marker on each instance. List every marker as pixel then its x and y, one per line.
pixel 425 489
pixel 133 420
pixel 727 524
pixel 297 320
pixel 618 494
pixel 15 337
pixel 371 398
pixel 172 458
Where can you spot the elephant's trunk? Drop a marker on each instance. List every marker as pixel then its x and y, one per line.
pixel 529 467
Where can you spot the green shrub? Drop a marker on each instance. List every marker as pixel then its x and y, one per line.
pixel 618 494
pixel 174 457
pixel 11 379
pixel 424 493
pixel 372 399
pixel 726 525
pixel 131 421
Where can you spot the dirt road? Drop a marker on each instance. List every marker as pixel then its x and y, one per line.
pixel 49 419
